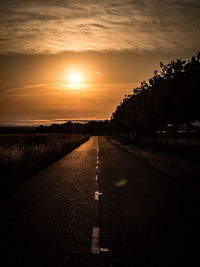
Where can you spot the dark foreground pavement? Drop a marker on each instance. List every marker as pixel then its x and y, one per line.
pixel 143 217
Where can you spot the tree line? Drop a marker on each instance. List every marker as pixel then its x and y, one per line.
pixel 170 98
pixel 91 127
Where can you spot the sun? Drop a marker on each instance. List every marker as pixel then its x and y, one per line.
pixel 75 78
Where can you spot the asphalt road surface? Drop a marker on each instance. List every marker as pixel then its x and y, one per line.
pixel 100 206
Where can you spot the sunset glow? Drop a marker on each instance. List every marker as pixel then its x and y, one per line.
pixel 76 79
pixel 66 59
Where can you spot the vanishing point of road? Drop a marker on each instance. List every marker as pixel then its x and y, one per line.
pixel 100 206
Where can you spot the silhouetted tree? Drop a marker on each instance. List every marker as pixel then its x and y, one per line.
pixel 171 96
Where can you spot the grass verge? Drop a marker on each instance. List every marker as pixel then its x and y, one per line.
pixel 22 155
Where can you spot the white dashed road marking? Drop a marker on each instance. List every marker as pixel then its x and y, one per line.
pixel 96 195
pixel 95 231
pixel 95 240
pixel 104 249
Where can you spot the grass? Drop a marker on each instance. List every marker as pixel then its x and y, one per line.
pixel 22 155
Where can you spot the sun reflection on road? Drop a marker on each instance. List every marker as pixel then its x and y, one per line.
pixel 121 183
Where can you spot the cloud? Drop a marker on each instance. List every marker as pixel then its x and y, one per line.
pixel 96 72
pixel 34 26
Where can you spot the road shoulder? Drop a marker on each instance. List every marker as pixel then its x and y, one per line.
pixel 180 170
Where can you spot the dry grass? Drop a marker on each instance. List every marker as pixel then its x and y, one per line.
pixel 21 155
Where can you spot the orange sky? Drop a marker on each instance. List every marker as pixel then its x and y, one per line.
pixel 36 89
pixel 113 44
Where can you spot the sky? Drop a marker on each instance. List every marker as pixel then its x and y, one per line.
pixel 114 45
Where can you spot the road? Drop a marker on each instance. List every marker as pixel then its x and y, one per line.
pixel 100 206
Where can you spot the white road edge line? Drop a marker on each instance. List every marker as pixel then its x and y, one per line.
pixel 95 240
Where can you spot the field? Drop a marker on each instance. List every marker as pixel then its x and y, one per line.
pixel 22 155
